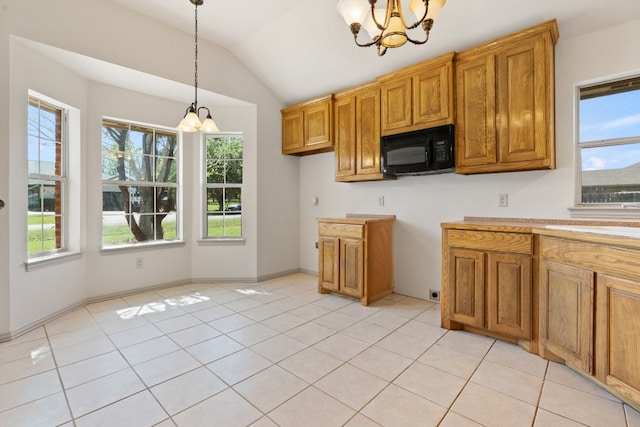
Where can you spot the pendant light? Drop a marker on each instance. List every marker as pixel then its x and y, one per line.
pixel 388 27
pixel 191 120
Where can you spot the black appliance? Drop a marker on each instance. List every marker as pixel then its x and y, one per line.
pixel 420 152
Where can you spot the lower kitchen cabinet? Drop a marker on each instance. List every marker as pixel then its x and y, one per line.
pixel 355 256
pixel 566 314
pixel 487 282
pixel 569 293
pixel 618 335
pixel 590 311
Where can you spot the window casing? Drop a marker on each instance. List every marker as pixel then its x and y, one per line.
pixel 47 178
pixel 140 187
pixel 608 148
pixel 222 193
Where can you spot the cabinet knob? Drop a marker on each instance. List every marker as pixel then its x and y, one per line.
pixel 1 203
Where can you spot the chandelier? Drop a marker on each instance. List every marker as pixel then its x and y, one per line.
pixel 191 120
pixel 388 27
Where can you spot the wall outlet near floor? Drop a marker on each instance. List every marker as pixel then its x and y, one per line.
pixel 139 262
pixel 434 295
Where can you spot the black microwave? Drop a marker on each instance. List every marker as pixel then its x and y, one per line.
pixel 420 152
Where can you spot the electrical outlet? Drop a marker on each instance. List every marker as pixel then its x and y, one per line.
pixel 434 295
pixel 139 262
pixel 380 200
pixel 503 200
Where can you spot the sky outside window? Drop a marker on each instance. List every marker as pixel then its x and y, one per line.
pixel 610 117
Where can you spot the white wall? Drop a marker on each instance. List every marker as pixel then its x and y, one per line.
pixel 87 28
pixel 5 119
pixel 422 203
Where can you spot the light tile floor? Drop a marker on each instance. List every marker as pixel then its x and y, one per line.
pixel 279 353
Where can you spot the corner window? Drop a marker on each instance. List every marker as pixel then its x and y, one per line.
pixel 47 144
pixel 139 184
pixel 609 143
pixel 223 185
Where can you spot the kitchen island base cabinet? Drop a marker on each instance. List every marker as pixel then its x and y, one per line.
pixel 355 256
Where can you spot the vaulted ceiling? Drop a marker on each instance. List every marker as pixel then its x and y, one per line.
pixel 303 48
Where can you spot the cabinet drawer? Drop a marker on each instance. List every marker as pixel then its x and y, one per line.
pixel 341 230
pixel 491 241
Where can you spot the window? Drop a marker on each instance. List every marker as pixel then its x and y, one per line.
pixel 139 183
pixel 223 185
pixel 46 139
pixel 609 143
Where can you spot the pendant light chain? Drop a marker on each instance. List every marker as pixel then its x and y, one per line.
pixel 196 59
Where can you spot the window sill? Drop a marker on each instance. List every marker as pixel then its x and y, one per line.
pixel 49 260
pixel 632 211
pixel 230 241
pixel 141 246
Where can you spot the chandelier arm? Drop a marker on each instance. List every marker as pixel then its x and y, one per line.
pixel 426 26
pixel 355 30
pixel 381 27
pixel 419 21
pixel 204 108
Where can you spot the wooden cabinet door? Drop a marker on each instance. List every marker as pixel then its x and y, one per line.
pixel 396 99
pixel 618 335
pixel 466 286
pixel 566 313
pixel 345 143
pixel 368 132
pixel 522 116
pixel 329 262
pixel 509 303
pixel 475 113
pixel 352 267
pixel 317 124
pixel 292 131
pixel 431 91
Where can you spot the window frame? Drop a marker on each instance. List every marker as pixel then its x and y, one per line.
pixel 177 186
pixel 598 210
pixel 61 178
pixel 204 237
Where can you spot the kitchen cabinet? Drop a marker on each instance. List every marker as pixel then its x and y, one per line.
pixel 505 103
pixel 598 320
pixel 357 134
pixel 618 335
pixel 488 282
pixel 355 256
pixel 566 314
pixel 418 97
pixel 307 128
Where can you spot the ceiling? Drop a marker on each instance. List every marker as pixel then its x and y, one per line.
pixel 303 48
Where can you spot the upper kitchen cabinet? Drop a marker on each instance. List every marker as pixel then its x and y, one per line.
pixel 357 134
pixel 418 97
pixel 307 128
pixel 505 103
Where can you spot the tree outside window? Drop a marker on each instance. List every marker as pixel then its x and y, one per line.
pixel 139 183
pixel 223 185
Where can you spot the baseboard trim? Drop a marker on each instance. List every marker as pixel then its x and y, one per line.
pixel 11 335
